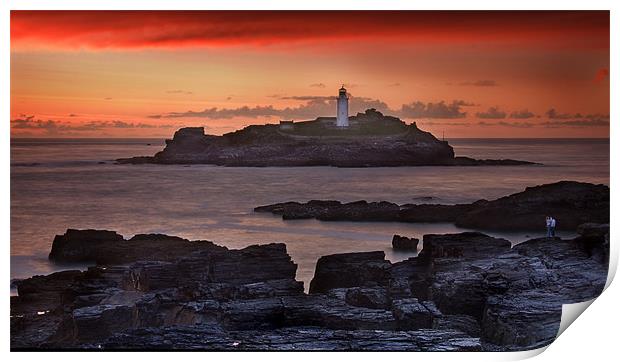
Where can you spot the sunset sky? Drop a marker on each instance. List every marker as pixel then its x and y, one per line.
pixel 468 74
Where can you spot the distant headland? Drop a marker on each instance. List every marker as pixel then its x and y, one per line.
pixel 368 139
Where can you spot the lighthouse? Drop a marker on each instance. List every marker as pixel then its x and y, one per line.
pixel 342 115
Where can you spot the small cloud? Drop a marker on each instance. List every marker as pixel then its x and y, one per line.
pixel 107 98
pixel 54 127
pixel 433 110
pixel 577 123
pixel 179 91
pixel 317 85
pixel 394 85
pixel 224 113
pixel 73 115
pixel 122 124
pixel 451 124
pixel 506 124
pixel 229 98
pixel 553 114
pixel 481 83
pixel 308 98
pixel 522 114
pixel 601 75
pixel 492 113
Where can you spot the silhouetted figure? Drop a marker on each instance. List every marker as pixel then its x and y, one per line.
pixel 552 227
pixel 548 223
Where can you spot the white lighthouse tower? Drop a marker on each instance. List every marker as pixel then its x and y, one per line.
pixel 342 115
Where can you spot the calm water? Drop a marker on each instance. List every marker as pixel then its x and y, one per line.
pixel 60 184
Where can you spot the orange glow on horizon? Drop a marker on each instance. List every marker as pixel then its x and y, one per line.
pixel 140 73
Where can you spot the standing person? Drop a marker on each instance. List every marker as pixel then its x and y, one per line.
pixel 552 227
pixel 548 223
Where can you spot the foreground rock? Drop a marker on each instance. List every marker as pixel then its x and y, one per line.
pixel 69 309
pixel 511 298
pixel 404 243
pixel 201 337
pixel 213 299
pixel 350 270
pixel 570 203
pixel 373 140
pixel 108 247
pixel 465 292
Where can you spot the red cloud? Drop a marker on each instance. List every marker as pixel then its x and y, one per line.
pixel 601 75
pixel 172 29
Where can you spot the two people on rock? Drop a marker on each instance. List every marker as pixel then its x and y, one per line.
pixel 550 226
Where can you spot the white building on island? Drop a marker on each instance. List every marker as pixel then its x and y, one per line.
pixel 342 115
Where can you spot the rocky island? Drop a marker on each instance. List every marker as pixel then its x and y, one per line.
pixel 572 203
pixel 464 292
pixel 371 139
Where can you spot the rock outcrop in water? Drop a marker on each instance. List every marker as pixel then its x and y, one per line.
pixel 108 247
pixel 570 203
pixel 373 140
pixel 465 292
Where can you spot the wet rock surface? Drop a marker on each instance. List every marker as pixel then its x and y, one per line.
pixel 375 141
pixel 465 292
pixel 570 203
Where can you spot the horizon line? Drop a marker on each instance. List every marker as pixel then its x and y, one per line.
pixel 454 138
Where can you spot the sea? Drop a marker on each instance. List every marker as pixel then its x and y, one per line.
pixel 58 184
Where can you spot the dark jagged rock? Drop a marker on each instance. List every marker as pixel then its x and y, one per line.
pixel 434 212
pixel 364 211
pixel 295 210
pixel 464 292
pixel 506 322
pixel 467 161
pixel 510 297
pixel 334 210
pixel 593 230
pixel 350 270
pixel 217 269
pixel 457 284
pixel 76 245
pixel 467 245
pixel 570 203
pixel 594 240
pixel 82 307
pixel 411 314
pixel 108 247
pixel 42 292
pixel 373 140
pixel 404 243
pixel 410 278
pixel 211 338
pixel 361 210
pixel 374 298
pixel 517 296
pixel 459 322
pixel 324 311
